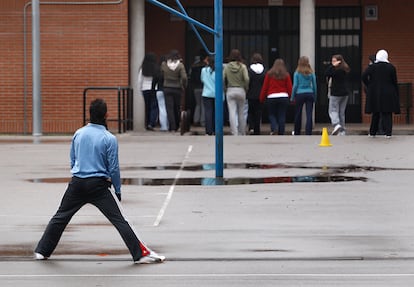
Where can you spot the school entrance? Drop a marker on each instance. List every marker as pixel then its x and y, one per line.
pixel 274 32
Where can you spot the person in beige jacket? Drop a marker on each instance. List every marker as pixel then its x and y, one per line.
pixel 236 81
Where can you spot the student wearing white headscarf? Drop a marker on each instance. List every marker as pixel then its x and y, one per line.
pixel 383 100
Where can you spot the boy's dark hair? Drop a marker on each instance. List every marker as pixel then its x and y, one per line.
pixel 174 55
pixel 97 111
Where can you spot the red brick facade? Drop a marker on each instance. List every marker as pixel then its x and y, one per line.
pixel 394 32
pixel 81 46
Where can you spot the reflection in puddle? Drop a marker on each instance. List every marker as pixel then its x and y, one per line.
pixel 219 181
pixel 238 180
pixel 211 166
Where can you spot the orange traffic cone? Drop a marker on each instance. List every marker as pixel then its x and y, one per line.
pixel 325 138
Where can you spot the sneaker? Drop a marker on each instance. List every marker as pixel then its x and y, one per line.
pixel 371 136
pixel 151 258
pixel 38 256
pixel 336 129
pixel 387 137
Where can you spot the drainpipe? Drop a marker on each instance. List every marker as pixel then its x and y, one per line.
pixel 36 82
pixel 36 77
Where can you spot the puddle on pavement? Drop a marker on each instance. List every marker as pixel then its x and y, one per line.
pixel 326 174
pixel 236 180
pixel 211 166
pixel 218 181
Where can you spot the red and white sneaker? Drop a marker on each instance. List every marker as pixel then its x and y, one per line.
pixel 149 256
pixel 152 257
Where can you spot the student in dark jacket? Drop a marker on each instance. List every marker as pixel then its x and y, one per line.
pixel 336 75
pixel 381 81
pixel 175 81
pixel 257 74
pixel 196 87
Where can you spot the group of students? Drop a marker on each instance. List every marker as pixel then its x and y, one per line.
pixel 273 88
pixel 381 88
pixel 162 87
pixel 251 87
pixel 248 88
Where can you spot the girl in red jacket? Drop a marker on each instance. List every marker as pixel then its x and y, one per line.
pixel 276 90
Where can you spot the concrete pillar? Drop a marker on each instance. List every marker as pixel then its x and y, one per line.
pixel 307 38
pixel 307 30
pixel 137 52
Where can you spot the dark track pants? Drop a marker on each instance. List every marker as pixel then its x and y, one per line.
pixel 96 191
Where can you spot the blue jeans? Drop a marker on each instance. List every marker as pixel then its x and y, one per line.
pixel 301 99
pixel 162 116
pixel 209 113
pixel 277 113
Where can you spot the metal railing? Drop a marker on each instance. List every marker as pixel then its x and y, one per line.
pixel 124 105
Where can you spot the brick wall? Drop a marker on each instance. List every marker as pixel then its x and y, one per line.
pixel 394 32
pixel 81 46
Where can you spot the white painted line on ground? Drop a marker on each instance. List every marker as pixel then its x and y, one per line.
pixel 212 275
pixel 172 187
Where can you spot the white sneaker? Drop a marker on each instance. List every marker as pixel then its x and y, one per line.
pixel 38 256
pixel 336 129
pixel 151 258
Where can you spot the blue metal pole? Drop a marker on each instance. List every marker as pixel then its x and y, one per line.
pixel 203 43
pixel 181 15
pixel 218 43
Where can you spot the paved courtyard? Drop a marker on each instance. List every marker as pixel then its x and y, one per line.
pixel 287 213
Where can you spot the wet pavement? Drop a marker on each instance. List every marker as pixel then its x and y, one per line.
pixel 287 212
